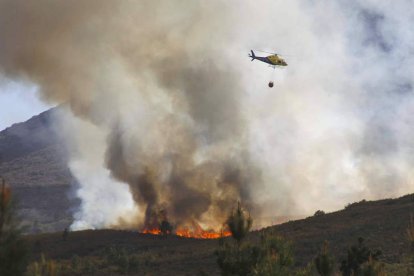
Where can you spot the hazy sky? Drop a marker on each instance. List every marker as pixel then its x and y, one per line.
pixel 18 102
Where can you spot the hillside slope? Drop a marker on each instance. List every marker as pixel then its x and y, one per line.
pixel 382 223
pixel 33 163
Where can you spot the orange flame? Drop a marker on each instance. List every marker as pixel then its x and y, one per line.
pixel 197 233
pixel 201 234
pixel 152 231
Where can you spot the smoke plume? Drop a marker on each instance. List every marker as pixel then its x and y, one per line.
pixel 164 111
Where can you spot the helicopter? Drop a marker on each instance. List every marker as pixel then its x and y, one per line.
pixel 273 60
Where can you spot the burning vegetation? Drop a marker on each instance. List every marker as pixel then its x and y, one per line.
pixel 198 233
pixel 160 225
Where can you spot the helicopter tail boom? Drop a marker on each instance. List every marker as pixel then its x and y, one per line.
pixel 253 56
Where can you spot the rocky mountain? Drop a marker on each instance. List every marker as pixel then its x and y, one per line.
pixel 33 163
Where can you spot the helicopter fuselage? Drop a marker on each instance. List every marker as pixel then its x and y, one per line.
pixel 273 60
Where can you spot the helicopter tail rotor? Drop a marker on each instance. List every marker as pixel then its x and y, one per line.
pixel 253 56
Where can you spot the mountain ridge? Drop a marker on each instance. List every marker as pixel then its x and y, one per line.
pixel 33 162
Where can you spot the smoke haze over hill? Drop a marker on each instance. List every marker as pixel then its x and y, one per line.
pixel 163 110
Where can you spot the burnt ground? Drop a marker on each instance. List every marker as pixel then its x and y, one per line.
pixel 381 223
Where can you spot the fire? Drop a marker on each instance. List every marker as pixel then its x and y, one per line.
pixel 159 225
pixel 201 234
pixel 152 231
pixel 198 233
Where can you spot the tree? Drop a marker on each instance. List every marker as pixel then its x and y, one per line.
pixel 13 252
pixel 239 224
pixel 325 262
pixel 237 259
pixel 357 255
pixel 319 213
pixel 166 227
pixel 271 256
pixel 65 234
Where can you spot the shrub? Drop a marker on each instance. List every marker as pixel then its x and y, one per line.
pixel 276 256
pixel 373 268
pixel 410 236
pixel 319 213
pixel 75 263
pixel 272 256
pixel 13 251
pixel 134 262
pixel 237 260
pixel 357 255
pixel 308 270
pixel 325 262
pixel 124 261
pixel 89 267
pixel 350 205
pixel 42 268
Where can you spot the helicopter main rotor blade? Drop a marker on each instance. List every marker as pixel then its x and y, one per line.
pixel 273 53
pixel 266 52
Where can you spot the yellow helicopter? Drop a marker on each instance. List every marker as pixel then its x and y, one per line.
pixel 273 60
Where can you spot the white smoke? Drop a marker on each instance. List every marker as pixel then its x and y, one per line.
pixel 336 128
pixel 103 199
